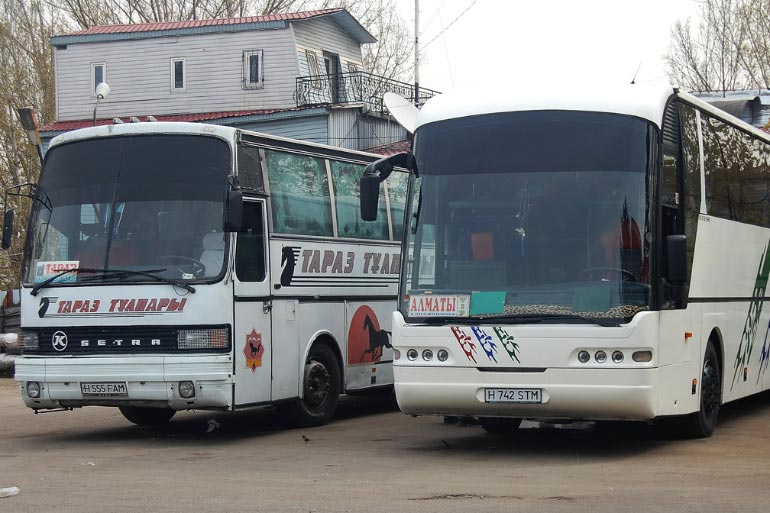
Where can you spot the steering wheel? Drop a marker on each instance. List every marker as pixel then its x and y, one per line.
pixel 590 272
pixel 198 267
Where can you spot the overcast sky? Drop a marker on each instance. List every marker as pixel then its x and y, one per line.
pixel 542 41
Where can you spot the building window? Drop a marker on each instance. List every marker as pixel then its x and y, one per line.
pixel 252 69
pixel 178 75
pixel 98 75
pixel 314 68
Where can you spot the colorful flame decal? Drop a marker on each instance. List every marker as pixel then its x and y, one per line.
pixel 507 340
pixel 489 347
pixel 468 347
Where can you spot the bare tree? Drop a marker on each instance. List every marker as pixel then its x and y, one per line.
pixel 25 65
pixel 729 49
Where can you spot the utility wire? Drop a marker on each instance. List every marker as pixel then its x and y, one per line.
pixel 450 24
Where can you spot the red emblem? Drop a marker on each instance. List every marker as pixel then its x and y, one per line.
pixel 253 350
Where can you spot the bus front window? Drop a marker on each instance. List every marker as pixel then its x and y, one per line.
pixel 150 203
pixel 539 213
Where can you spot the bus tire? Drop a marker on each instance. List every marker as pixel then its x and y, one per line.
pixel 320 389
pixel 701 423
pixel 499 425
pixel 147 416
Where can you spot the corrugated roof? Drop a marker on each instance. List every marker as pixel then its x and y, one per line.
pixel 392 148
pixel 65 126
pixel 164 29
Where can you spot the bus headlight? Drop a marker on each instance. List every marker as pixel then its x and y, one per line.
pixel 600 357
pixel 442 355
pixel 584 356
pixel 411 355
pixel 186 389
pixel 427 355
pixel 33 389
pixel 213 338
pixel 617 356
pixel 30 341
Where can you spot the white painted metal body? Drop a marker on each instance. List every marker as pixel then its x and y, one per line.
pixel 722 291
pixel 286 320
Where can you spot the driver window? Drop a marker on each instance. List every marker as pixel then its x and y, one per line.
pixel 250 248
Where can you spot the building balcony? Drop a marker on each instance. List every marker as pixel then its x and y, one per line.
pixel 356 87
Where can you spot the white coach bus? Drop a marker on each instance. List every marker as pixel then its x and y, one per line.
pixel 175 266
pixel 597 254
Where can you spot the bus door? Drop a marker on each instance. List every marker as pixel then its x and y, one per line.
pixel 252 326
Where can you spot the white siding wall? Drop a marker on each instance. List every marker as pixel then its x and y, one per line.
pixel 139 74
pixel 321 35
pixel 355 130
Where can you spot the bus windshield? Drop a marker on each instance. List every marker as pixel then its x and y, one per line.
pixel 149 203
pixel 532 216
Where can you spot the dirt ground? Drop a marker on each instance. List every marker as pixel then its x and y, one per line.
pixel 372 458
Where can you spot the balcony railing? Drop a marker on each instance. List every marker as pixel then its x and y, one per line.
pixel 356 87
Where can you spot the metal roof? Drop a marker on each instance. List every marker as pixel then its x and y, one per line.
pixel 193 27
pixel 211 117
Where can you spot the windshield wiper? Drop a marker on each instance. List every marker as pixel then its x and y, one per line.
pixel 114 273
pixel 519 319
pixel 592 320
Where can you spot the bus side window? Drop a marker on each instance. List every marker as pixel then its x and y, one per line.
pixel 250 249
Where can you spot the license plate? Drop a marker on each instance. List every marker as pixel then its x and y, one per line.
pixel 513 395
pixel 117 389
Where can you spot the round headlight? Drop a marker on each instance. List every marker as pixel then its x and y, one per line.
pixel 411 355
pixel 427 355
pixel 442 355
pixel 584 356
pixel 617 356
pixel 186 389
pixel 33 389
pixel 600 356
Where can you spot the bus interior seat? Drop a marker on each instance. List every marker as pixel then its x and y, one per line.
pixel 213 252
pixel 482 246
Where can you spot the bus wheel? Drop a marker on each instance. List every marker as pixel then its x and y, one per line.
pixel 320 389
pixel 703 421
pixel 147 416
pixel 499 425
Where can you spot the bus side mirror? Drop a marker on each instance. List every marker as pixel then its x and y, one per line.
pixel 676 261
pixel 374 174
pixel 370 197
pixel 7 229
pixel 233 211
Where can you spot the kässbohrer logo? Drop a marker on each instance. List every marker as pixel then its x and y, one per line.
pixel 59 341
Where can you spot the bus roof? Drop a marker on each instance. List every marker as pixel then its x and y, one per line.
pixel 646 101
pixel 144 127
pixel 180 127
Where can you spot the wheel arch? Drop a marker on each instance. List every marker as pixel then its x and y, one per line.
pixel 715 336
pixel 327 339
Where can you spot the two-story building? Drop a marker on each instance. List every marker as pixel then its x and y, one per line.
pixel 297 75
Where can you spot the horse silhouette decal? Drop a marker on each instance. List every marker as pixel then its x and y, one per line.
pixel 378 339
pixel 366 338
pixel 288 262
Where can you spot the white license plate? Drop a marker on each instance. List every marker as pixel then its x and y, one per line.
pixel 513 395
pixel 117 389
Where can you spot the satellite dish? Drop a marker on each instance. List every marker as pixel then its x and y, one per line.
pixel 401 109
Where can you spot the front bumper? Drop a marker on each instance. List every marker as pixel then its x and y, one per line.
pixel 151 381
pixel 627 394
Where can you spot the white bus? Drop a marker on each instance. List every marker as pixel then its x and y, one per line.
pixel 581 254
pixel 175 266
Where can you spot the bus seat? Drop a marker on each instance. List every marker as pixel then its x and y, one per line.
pixel 213 252
pixel 482 246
